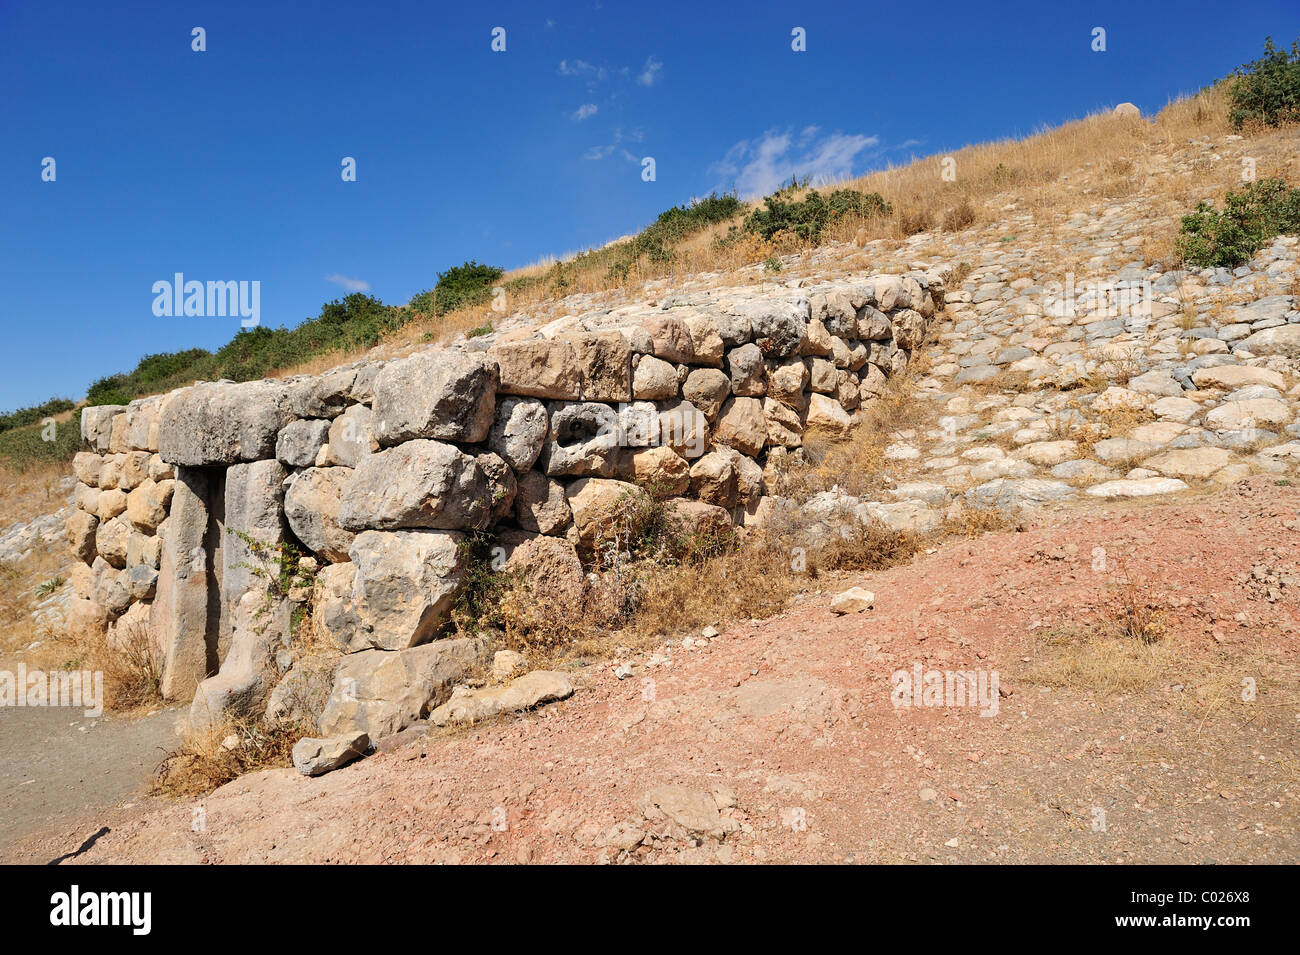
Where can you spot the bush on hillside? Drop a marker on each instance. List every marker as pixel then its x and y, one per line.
pixel 808 218
pixel 1251 218
pixel 357 321
pixel 24 447
pixel 657 241
pixel 458 287
pixel 1267 90
pixel 26 416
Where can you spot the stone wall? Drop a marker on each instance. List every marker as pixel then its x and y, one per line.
pixel 378 469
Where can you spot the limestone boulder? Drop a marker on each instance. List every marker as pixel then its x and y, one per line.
pixel 315 757
pixel 684 428
pixel 447 396
pixel 405 585
pixel 605 359
pixel 351 439
pixel 97 425
pixel 222 423
pixel 519 431
pixel 539 368
pixel 540 504
pixel 1281 340
pixel 311 506
pixel 742 425
pixel 380 692
pixel 662 469
pixel 653 379
pixel 421 483
pixel 778 327
pixel 522 693
pixel 602 507
pixel 321 396
pixel 671 339
pixel 747 372
pixel 299 442
pixel 146 506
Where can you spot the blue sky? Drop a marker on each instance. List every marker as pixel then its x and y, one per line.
pixel 225 164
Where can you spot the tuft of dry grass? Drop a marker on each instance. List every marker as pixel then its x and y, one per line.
pixel 1097 662
pixel 213 757
pixel 868 545
pixel 976 521
pixel 132 669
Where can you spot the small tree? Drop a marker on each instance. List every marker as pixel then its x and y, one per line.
pixel 1267 90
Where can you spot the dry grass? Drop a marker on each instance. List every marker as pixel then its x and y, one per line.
pixel 213 757
pixel 976 521
pixel 132 668
pixel 1125 650
pixel 31 491
pixel 1097 662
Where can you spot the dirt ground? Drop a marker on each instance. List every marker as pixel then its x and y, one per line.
pixel 1103 748
pixel 59 767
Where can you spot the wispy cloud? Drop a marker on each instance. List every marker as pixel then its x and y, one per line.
pixel 582 68
pixel 756 167
pixel 650 74
pixel 352 285
pixel 616 147
pixel 585 111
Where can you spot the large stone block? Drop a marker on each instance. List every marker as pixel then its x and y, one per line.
pixel 142 419
pixel 779 327
pixel 584 440
pixel 180 608
pixel 521 428
pixel 421 483
pixel 742 426
pixel 299 442
pixel 655 379
pixel 146 506
pixel 321 396
pixel 380 692
pixel 97 425
pixel 603 508
pixel 311 506
pixel 539 368
pixel 253 509
pixel 351 438
pixel 606 360
pixel 671 338
pixel 540 505
pixel 449 396
pixel 222 423
pixel 110 541
pixel 86 465
pixel 81 529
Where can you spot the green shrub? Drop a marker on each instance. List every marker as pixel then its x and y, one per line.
pixel 26 446
pixel 657 242
pixel 1267 90
pixel 26 416
pixel 1250 219
pixel 808 218
pixel 460 286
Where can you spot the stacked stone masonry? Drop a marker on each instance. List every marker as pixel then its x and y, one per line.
pixel 378 469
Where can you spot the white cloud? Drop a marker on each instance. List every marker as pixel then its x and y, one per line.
pixel 352 285
pixel 582 68
pixel 756 167
pixel 585 111
pixel 649 75
pixel 621 136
